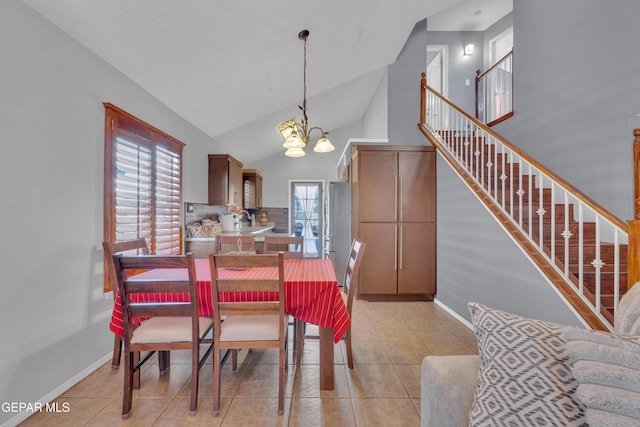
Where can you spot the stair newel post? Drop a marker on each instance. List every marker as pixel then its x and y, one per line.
pixel 423 96
pixel 634 224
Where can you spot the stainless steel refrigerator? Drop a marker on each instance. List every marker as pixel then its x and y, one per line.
pixel 337 234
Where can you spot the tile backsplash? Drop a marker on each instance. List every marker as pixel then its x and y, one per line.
pixel 279 216
pixel 196 212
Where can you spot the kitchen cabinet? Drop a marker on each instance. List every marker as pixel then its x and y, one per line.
pixel 225 180
pixel 394 213
pixel 251 189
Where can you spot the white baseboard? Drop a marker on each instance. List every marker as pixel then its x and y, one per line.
pixel 453 313
pixel 20 417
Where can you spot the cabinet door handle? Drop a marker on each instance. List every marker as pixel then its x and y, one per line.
pixel 395 248
pixel 395 198
pixel 400 205
pixel 400 244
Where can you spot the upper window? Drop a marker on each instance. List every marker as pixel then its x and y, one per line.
pixel 143 184
pixel 500 45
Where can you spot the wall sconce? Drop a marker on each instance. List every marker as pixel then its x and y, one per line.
pixel 468 49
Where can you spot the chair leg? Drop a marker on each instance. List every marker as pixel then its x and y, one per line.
pixel 299 340
pixel 281 374
pixel 216 382
pixel 117 351
pixel 195 376
pixel 347 339
pixel 136 374
pixel 295 333
pixel 286 351
pixel 127 394
pixel 286 345
pixel 164 361
pixel 234 360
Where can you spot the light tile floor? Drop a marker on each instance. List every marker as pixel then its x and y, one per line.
pixel 390 339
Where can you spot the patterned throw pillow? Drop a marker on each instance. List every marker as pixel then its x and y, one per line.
pixel 525 374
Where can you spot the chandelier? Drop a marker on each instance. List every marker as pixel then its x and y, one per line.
pixel 296 135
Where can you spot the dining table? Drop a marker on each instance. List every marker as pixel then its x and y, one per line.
pixel 312 295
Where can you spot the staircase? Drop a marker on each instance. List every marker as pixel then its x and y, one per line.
pixel 561 234
pixel 578 245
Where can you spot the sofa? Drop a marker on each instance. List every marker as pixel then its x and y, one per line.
pixel 530 372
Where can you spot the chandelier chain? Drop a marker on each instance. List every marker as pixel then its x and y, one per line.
pixel 304 85
pixel 296 135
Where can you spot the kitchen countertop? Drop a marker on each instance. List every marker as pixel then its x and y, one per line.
pixel 259 231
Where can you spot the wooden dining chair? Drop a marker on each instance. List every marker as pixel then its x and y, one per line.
pixel 169 325
pixel 128 247
pixel 249 324
pixel 292 246
pixel 244 243
pixel 348 293
pixel 274 244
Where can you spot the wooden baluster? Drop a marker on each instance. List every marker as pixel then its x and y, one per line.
pixel 634 224
pixel 423 96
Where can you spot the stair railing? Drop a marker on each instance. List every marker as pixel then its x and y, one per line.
pixel 494 92
pixel 548 216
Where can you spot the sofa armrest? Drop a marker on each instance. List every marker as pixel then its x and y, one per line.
pixel 448 385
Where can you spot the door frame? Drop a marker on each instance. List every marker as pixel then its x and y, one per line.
pixel 322 212
pixel 443 50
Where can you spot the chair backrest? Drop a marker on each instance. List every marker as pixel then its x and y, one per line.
pixel 126 247
pixel 353 267
pixel 292 246
pixel 270 279
pixel 235 243
pixel 178 276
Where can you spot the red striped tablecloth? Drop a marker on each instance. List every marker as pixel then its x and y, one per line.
pixel 312 293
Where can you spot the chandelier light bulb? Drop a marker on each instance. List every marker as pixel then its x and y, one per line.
pixel 294 152
pixel 293 141
pixel 323 146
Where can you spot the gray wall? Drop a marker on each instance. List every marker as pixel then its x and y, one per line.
pixel 576 86
pixel 374 121
pixel 404 89
pixel 53 315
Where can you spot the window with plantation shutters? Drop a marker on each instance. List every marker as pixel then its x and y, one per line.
pixel 168 198
pixel 143 184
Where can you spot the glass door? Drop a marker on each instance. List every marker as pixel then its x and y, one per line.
pixel 306 208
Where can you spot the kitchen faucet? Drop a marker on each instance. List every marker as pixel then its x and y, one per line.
pixel 248 217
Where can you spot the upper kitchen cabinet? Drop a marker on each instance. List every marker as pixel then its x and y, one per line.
pixel 225 180
pixel 252 189
pixel 397 185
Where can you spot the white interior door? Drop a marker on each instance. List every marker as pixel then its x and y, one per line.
pixel 438 68
pixel 434 73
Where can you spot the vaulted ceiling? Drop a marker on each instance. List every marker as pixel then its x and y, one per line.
pixel 234 68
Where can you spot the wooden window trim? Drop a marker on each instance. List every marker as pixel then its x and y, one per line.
pixel 118 121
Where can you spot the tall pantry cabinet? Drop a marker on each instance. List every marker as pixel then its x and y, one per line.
pixel 394 213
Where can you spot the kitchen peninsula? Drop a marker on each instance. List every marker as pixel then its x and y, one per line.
pixel 203 246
